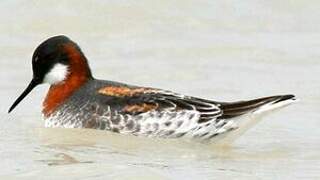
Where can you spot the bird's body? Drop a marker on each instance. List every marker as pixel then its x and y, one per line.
pixel 77 100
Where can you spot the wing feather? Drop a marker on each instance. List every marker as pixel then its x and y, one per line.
pixel 138 100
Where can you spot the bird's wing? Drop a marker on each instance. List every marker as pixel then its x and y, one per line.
pixel 137 100
pixel 209 118
pixel 239 108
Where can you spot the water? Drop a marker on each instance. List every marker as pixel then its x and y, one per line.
pixel 223 50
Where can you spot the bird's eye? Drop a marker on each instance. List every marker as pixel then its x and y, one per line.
pixel 50 56
pixel 63 60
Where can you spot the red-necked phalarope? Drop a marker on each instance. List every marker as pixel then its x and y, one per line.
pixel 77 100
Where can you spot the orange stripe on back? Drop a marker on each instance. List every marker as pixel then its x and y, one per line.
pixel 123 91
pixel 139 108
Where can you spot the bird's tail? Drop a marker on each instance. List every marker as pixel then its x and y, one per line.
pixel 245 114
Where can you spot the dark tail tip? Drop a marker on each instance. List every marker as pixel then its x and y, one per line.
pixel 286 97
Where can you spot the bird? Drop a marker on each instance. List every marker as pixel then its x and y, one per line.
pixel 76 99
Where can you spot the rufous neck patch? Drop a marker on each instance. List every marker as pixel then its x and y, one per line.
pixel 79 73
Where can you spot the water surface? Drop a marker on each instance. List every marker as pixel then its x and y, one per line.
pixel 221 50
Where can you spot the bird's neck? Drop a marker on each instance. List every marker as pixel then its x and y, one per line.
pixel 79 74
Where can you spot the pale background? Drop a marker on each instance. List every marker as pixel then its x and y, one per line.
pixel 222 50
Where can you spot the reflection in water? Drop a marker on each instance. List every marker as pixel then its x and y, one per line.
pixel 103 143
pixel 64 159
pixel 99 148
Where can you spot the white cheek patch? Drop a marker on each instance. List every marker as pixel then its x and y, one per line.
pixel 57 74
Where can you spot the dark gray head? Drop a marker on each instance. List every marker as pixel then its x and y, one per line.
pixel 53 61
